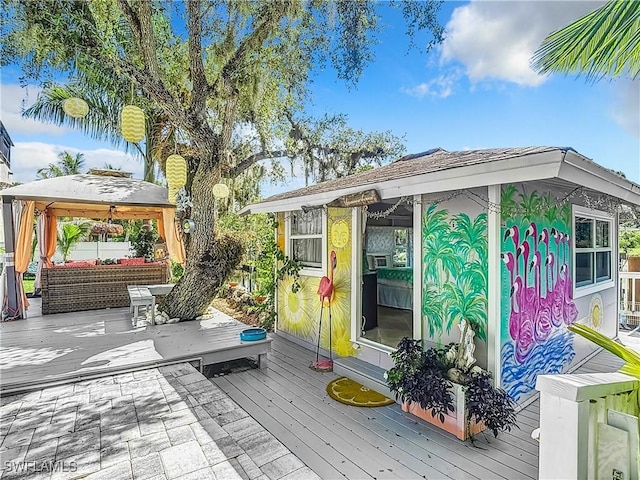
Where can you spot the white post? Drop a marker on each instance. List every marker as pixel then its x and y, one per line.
pixel 417 267
pixel 493 279
pixel 565 402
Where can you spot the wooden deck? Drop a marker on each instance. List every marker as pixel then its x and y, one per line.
pixel 64 347
pixel 338 441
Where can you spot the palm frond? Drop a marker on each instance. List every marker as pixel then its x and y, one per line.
pixel 604 43
pixel 631 357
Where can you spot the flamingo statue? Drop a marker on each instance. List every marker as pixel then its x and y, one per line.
pixel 325 290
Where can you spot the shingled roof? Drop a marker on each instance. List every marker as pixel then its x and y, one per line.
pixel 430 161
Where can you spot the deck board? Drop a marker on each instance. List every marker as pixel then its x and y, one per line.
pixel 291 401
pixel 43 349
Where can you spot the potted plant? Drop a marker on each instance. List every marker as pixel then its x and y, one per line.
pixel 445 388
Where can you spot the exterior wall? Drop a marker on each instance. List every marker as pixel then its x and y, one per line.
pixel 537 298
pixel 299 312
pixel 454 270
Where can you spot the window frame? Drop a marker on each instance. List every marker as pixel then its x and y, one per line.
pixel 595 285
pixel 307 270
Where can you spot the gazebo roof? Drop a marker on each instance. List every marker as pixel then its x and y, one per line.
pixel 94 196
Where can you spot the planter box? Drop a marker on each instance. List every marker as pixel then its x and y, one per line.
pixel 454 422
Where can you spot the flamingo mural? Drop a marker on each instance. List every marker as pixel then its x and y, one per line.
pixel 537 291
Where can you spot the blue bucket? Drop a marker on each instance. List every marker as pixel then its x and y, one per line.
pixel 253 334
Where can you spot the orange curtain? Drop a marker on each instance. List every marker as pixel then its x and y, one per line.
pixel 50 237
pixel 168 230
pixel 24 237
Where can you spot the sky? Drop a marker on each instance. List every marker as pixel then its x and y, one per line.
pixel 475 90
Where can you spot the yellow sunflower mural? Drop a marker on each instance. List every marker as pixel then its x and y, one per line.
pixel 297 309
pixel 299 312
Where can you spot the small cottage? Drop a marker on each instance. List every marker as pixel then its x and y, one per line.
pixel 521 242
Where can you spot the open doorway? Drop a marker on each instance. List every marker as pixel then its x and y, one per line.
pixel 387 273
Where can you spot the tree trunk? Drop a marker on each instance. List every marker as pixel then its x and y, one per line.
pixel 209 258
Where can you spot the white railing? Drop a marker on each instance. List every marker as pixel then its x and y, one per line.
pixel 630 295
pixel 574 409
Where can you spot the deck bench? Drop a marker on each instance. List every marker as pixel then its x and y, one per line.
pixel 140 296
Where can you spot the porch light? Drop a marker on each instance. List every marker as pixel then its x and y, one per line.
pixel 75 107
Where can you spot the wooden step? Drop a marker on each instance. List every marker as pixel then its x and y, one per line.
pixel 362 372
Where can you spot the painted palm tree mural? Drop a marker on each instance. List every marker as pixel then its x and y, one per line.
pixel 454 254
pixel 537 295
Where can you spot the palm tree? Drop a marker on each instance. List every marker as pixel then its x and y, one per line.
pixel 603 43
pixel 105 99
pixel 66 165
pixel 69 234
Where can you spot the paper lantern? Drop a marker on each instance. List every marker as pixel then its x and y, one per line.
pixel 75 107
pixel 132 123
pixel 172 194
pixel 176 171
pixel 220 190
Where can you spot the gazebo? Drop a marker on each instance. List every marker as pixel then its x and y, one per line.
pixel 100 194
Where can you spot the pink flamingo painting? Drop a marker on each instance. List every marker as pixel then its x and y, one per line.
pixel 514 316
pixel 569 310
pixel 525 341
pixel 544 239
pixel 529 292
pixel 542 324
pixel 325 290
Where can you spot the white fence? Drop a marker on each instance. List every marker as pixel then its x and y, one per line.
pixel 630 296
pixel 93 250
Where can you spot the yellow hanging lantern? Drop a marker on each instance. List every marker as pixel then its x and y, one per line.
pixel 172 194
pixel 132 123
pixel 220 190
pixel 176 168
pixel 75 107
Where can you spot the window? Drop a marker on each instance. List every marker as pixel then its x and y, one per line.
pixel 306 244
pixel 593 247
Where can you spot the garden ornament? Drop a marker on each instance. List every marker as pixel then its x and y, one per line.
pixel 325 290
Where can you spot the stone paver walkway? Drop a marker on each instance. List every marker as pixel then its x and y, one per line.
pixel 162 423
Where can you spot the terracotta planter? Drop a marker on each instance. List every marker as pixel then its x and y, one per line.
pixel 454 422
pixel 260 298
pixel 233 284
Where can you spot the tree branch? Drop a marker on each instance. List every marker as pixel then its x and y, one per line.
pixel 256 157
pixel 200 88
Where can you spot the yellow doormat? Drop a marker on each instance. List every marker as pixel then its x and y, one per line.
pixel 345 390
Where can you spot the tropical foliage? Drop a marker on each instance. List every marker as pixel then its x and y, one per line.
pixel 217 70
pixel 454 255
pixel 67 164
pixel 631 357
pixel 69 234
pixel 426 377
pixel 604 43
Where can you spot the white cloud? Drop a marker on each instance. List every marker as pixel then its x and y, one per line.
pixel 495 40
pixel 28 157
pixel 13 99
pixel 440 87
pixel 626 107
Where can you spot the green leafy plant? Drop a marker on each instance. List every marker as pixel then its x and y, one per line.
pixel 487 404
pixel 144 243
pixel 69 234
pixel 632 367
pixel 427 377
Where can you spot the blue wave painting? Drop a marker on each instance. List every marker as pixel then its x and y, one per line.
pixel 547 358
